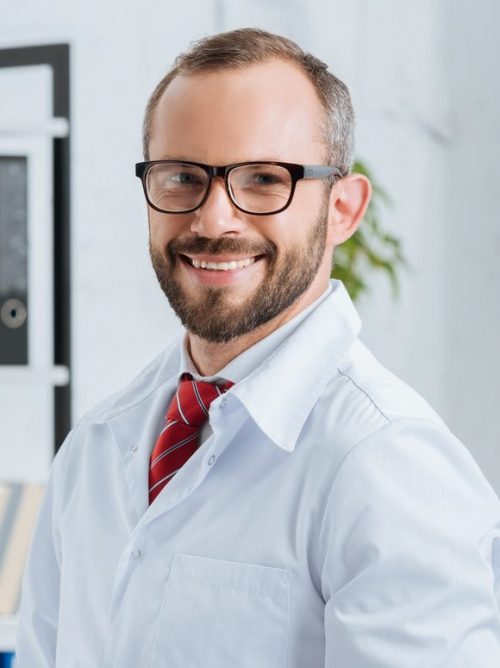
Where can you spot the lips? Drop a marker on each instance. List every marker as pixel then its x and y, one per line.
pixel 220 251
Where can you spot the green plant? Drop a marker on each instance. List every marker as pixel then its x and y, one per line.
pixel 370 248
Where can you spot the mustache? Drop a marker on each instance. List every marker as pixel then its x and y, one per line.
pixel 204 245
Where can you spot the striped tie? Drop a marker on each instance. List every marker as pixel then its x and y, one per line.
pixel 179 438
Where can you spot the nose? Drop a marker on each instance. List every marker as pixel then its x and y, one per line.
pixel 217 216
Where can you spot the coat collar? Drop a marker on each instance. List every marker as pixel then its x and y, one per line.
pixel 281 393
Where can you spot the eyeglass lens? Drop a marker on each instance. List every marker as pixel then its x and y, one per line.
pixel 258 188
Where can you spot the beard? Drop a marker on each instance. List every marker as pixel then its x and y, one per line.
pixel 210 314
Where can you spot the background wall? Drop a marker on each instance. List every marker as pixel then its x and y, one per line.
pixel 424 82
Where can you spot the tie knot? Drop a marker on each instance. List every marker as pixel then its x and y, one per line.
pixel 192 400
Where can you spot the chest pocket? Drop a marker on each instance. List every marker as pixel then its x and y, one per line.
pixel 223 614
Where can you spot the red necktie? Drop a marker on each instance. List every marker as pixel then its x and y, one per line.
pixel 179 438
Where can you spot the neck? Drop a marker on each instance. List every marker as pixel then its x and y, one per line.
pixel 209 357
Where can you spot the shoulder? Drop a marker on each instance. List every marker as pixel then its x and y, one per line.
pixel 395 447
pixel 375 429
pixel 367 378
pixel 364 399
pixel 132 400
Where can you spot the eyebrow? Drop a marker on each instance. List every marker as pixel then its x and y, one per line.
pixel 259 159
pixel 173 157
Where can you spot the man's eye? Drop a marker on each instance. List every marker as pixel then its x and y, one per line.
pixel 265 179
pixel 184 178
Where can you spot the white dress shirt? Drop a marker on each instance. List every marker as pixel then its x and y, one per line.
pixel 330 521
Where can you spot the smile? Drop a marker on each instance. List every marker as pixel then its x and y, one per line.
pixel 230 265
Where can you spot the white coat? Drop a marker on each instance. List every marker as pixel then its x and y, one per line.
pixel 331 520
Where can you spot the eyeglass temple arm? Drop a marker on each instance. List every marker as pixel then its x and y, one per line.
pixel 320 171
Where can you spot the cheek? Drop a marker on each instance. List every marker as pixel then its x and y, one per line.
pixel 281 229
pixel 289 234
pixel 161 229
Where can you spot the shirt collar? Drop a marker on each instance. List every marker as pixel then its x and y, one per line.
pixel 249 360
pixel 281 393
pixel 293 364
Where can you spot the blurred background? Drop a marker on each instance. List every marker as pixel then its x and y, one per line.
pixel 81 312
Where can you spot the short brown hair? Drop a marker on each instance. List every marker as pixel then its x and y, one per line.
pixel 247 46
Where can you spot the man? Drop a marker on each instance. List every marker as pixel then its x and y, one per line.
pixel 325 515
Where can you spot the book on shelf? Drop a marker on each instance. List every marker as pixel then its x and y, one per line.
pixel 19 504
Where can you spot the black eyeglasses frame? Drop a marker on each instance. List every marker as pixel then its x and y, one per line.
pixel 296 171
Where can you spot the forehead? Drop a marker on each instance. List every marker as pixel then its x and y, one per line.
pixel 265 111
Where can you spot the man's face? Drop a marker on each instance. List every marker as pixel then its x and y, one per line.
pixel 268 111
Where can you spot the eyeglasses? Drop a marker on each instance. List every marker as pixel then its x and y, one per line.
pixel 258 188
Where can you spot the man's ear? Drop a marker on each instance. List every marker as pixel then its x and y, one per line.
pixel 349 199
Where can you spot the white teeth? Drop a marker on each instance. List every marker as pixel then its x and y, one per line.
pixel 222 266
